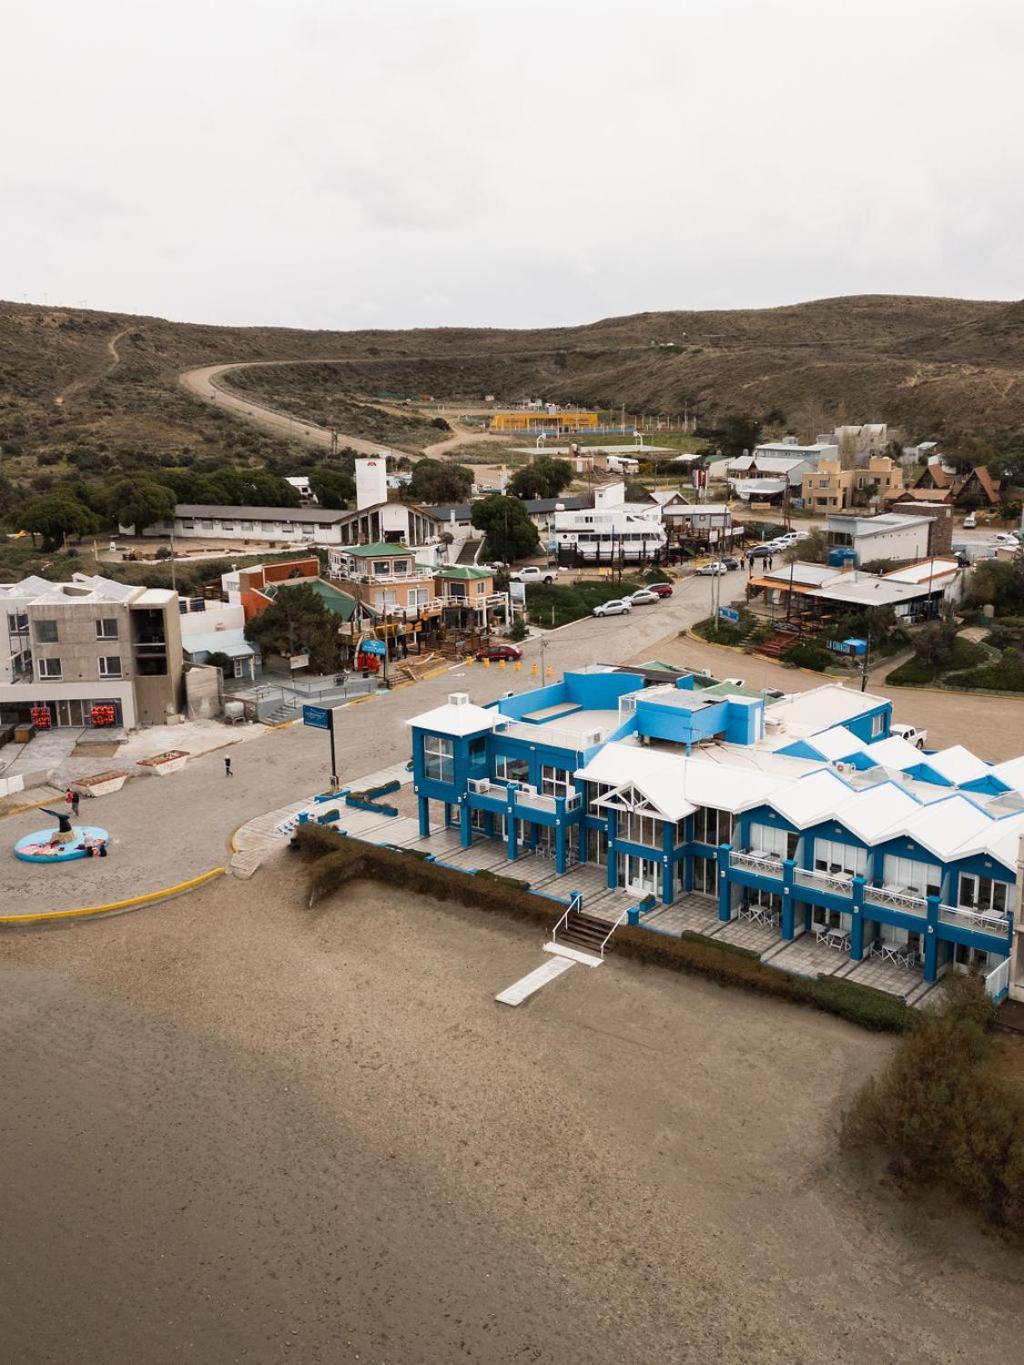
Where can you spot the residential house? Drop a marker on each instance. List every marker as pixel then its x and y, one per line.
pixel 975 488
pixel 830 487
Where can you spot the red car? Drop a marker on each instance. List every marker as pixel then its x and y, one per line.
pixel 499 652
pixel 662 589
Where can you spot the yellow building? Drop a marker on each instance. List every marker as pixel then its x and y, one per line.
pixel 830 487
pixel 532 420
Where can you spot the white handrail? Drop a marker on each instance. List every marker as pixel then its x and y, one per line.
pixel 574 904
pixel 604 941
pixel 998 980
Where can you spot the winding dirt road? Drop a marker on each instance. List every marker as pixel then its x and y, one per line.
pixel 203 383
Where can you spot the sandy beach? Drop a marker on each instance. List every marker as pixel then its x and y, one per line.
pixel 238 1130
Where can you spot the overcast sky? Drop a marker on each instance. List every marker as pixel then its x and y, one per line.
pixel 400 163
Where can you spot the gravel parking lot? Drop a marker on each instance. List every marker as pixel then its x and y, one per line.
pixel 238 1130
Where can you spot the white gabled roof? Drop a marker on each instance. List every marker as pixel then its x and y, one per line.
pixel 876 810
pixel 957 764
pixel 1000 838
pixel 456 720
pixel 837 743
pixel 945 825
pixel 1011 772
pixel 674 782
pixel 811 799
pixel 895 752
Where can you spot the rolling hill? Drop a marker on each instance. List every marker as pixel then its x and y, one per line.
pixel 92 392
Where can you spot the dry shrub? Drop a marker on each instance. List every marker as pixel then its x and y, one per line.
pixel 943 1112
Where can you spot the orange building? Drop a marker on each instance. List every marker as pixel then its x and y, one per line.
pixel 532 420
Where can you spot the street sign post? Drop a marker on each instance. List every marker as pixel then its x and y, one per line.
pixel 322 718
pixel 728 614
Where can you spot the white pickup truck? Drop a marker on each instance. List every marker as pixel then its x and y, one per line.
pixel 534 573
pixel 910 733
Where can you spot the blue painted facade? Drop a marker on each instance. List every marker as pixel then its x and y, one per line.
pixel 519 783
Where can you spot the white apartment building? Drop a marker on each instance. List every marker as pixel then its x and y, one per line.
pixel 890 535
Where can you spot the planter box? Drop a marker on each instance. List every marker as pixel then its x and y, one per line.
pixel 101 784
pixel 163 764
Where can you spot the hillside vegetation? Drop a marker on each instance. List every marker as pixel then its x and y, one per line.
pixel 93 393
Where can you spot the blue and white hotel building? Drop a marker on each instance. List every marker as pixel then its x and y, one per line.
pixel 798 826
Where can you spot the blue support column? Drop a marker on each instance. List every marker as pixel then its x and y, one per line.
pixel 424 812
pixel 724 884
pixel 511 848
pixel 788 869
pixel 857 920
pixel 931 941
pixel 560 848
pixel 465 825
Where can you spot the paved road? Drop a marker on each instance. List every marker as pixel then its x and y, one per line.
pixel 166 830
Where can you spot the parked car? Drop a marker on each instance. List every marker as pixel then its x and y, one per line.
pixel 970 521
pixel 643 597
pixel 618 606
pixel 534 573
pixel 710 570
pixel 734 682
pixel 759 552
pixel 730 561
pixel 499 652
pixel 910 733
pixel 662 589
pixel 1006 540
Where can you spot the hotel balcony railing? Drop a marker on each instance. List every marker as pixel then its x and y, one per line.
pixel 981 921
pixel 752 861
pixel 839 884
pixel 893 898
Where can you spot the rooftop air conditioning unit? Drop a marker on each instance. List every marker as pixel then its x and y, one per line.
pixel 774 725
pixel 458 699
pixel 588 741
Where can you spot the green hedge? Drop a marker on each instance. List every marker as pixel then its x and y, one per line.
pixel 727 632
pixel 916 672
pixel 333 860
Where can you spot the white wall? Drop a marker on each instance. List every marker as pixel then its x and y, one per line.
pixel 904 542
pixel 215 616
pixel 371 482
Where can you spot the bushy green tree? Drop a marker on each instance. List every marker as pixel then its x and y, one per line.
pixel 544 477
pixel 509 533
pixel 139 502
pixel 332 487
pixel 297 622
pixel 739 432
pixel 56 516
pixel 436 481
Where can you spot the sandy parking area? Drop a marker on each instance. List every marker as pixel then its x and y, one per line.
pixel 238 1130
pixel 991 727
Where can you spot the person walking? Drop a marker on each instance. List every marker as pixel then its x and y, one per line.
pixel 227 767
pixel 71 797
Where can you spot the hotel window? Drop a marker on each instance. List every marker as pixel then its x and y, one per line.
pixel 555 781
pixel 50 668
pixel 417 597
pixel 877 725
pixel 106 628
pixel 110 666
pixel 387 598
pixel 837 859
pixel 17 622
pixel 187 524
pixel 438 758
pixel 768 839
pixel 983 894
pixel 712 826
pixel 46 632
pixel 481 587
pixel 639 829
pixel 907 874
pixel 382 568
pixel 400 566
pixel 512 769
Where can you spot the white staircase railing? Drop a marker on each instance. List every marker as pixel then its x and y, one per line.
pixel 575 904
pixel 998 980
pixel 604 941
